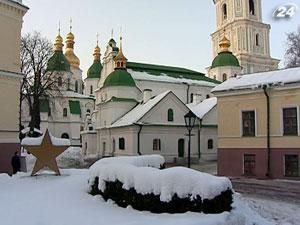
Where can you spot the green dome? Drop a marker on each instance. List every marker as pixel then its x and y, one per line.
pixel 58 62
pixel 119 77
pixel 95 70
pixel 225 59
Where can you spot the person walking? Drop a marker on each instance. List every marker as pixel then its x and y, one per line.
pixel 15 162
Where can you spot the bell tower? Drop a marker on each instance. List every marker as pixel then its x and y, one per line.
pixel 241 21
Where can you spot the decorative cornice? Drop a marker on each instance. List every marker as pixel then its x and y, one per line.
pixel 15 5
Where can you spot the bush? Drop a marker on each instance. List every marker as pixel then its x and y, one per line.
pixel 152 203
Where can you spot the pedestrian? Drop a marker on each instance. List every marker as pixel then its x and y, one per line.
pixel 15 162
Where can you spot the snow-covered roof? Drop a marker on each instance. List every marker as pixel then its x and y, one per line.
pixel 137 75
pixel 201 109
pixel 139 111
pixel 28 141
pixel 72 94
pixel 256 80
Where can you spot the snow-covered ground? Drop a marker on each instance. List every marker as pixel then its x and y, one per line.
pixel 63 200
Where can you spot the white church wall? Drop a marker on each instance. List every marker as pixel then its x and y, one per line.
pixel 207 134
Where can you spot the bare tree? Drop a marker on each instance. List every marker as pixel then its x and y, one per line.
pixel 35 53
pixel 292 54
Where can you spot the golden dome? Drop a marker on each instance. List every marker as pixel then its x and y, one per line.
pixel 58 43
pixel 97 53
pixel 70 55
pixel 224 44
pixel 120 59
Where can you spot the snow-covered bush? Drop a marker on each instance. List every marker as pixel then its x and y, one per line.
pixel 174 190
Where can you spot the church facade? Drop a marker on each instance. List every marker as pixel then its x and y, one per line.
pixel 63 111
pixel 241 22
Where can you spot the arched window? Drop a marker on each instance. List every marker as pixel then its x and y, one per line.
pixel 59 82
pixel 215 77
pixel 122 64
pixel 88 111
pixel 65 136
pixel 224 10
pixel 257 39
pixel 210 144
pixel 65 112
pixel 192 97
pixel 76 86
pixel 91 90
pixel 224 77
pixel 68 83
pixel 122 143
pixel 251 7
pixel 156 144
pixel 207 96
pixel 170 115
pixel 118 64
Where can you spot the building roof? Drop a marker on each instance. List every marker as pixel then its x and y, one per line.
pixel 72 94
pixel 143 71
pixel 257 80
pixel 139 111
pixel 201 109
pixel 119 77
pixel 58 62
pixel 225 59
pixel 95 70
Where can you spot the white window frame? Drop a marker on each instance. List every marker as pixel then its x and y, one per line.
pixel 241 122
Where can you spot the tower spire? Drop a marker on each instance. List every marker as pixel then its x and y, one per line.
pixel 120 59
pixel 97 50
pixel 58 43
pixel 71 25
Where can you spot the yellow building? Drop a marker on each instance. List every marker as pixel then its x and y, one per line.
pixel 11 18
pixel 258 125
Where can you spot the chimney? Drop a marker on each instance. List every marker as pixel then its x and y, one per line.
pixel 147 94
pixel 196 99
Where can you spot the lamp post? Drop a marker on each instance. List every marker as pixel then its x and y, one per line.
pixel 189 120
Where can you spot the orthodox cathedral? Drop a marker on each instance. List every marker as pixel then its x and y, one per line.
pixel 132 108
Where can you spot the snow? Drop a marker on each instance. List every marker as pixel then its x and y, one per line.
pixel 30 141
pixel 201 109
pixel 165 78
pixel 166 183
pixel 27 129
pixel 63 200
pixel 257 80
pixel 139 111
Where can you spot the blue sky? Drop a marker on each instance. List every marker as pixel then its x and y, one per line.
pixel 167 32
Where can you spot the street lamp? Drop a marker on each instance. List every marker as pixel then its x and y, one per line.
pixel 189 120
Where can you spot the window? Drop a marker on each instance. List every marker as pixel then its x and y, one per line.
pixel 291 166
pixel 59 82
pixel 257 39
pixel 121 143
pixel 290 123
pixel 65 112
pixel 68 83
pixel 76 86
pixel 88 111
pixel 249 164
pixel 215 77
pixel 104 146
pixel 224 77
pixel 118 64
pixel 248 123
pixel 91 90
pixel 251 7
pixel 170 115
pixel 210 144
pixel 207 96
pixel 65 136
pixel 192 98
pixel 156 144
pixel 224 9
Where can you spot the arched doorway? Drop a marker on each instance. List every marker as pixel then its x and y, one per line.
pixel 181 148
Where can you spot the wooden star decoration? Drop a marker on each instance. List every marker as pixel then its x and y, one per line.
pixel 45 154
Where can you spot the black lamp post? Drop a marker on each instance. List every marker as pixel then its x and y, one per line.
pixel 189 119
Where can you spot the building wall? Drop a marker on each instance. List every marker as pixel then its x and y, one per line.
pixel 232 145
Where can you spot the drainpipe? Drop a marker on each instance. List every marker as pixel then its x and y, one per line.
pixel 268 130
pixel 187 92
pixel 138 141
pixel 199 133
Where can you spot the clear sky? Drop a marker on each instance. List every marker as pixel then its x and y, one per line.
pixel 167 32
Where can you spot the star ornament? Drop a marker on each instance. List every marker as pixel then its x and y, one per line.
pixel 46 152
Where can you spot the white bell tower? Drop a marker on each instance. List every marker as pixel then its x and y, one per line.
pixel 241 22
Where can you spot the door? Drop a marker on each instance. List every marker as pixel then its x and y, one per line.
pixel 181 148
